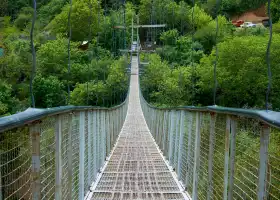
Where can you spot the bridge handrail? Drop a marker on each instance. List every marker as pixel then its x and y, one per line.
pixel 229 153
pixel 33 114
pixel 269 117
pixel 56 153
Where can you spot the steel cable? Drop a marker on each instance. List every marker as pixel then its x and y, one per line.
pixel 69 48
pixel 33 73
pixel 124 21
pixel 268 61
pixel 192 65
pixel 90 53
pixel 217 53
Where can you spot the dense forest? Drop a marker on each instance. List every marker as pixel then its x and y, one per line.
pixel 180 73
pixel 98 74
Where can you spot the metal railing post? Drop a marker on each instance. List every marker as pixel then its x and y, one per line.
pixel 90 130
pixel 233 127
pixel 58 158
pixel 188 175
pixel 81 155
pixel 264 141
pixel 226 162
pixel 171 119
pixel 211 156
pixel 94 143
pixel 177 137
pixel 69 156
pixel 97 140
pixel 162 130
pixel 196 157
pixel 181 144
pixel 156 126
pixel 111 130
pixel 103 136
pixel 165 125
pixel 35 135
pixel 107 121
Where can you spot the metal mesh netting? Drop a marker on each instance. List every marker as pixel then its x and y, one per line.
pixel 75 155
pixel 59 155
pixel 65 146
pixel 273 167
pixel 219 157
pixel 47 158
pixel 204 155
pixel 15 164
pixel 86 161
pixel 229 146
pixel 247 158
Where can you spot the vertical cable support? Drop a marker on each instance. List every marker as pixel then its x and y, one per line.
pixel 268 61
pixel 69 48
pixel 124 23
pixel 90 53
pixel 192 65
pixel 217 53
pixel 33 72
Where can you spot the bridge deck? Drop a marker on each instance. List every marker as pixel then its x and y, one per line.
pixel 136 168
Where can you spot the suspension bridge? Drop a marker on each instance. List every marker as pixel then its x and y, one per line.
pixel 138 151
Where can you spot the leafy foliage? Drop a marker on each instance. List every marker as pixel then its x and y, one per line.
pixel 49 92
pixel 79 20
pixel 242 72
pixel 275 10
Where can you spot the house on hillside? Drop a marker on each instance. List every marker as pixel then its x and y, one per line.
pixel 256 16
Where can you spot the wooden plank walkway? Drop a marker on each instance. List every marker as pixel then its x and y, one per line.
pixel 136 169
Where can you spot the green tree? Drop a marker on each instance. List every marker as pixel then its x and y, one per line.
pixel 241 73
pixel 200 17
pixel 169 37
pixel 47 12
pixel 6 99
pixel 48 92
pixel 275 10
pixel 24 18
pixel 79 20
pixel 183 52
pixel 206 35
pixel 53 58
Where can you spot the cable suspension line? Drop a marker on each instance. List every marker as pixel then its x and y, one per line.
pixel 69 49
pixel 89 53
pixel 33 73
pixel 192 64
pixel 268 61
pixel 217 53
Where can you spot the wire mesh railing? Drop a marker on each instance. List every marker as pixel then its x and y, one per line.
pixel 56 153
pixel 220 153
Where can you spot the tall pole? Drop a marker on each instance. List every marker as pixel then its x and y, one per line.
pixel 131 41
pixel 132 30
pixel 137 29
pixel 124 19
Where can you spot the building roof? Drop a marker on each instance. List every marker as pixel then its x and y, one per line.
pixel 256 16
